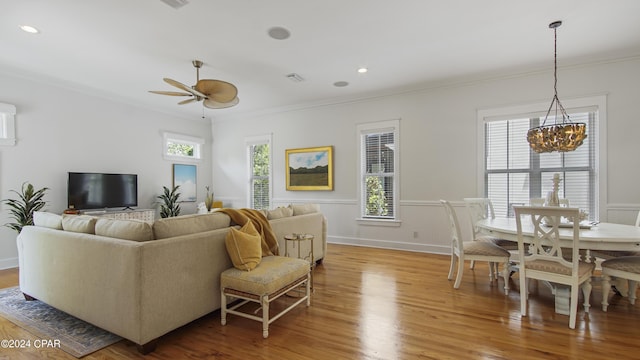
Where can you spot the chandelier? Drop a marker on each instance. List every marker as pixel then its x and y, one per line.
pixel 564 136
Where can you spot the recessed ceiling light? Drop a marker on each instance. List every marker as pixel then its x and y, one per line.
pixel 340 84
pixel 29 29
pixel 279 33
pixel 363 70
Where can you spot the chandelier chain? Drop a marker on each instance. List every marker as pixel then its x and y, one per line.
pixel 562 137
pixel 555 99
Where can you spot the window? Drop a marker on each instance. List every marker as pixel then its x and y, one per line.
pixel 7 124
pixel 259 153
pixel 513 174
pixel 379 171
pixel 182 147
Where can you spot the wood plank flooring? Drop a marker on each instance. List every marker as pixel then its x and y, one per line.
pixel 385 304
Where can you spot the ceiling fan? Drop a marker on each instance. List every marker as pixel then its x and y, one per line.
pixel 214 94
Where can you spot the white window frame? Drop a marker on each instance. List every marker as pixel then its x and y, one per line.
pixel 516 111
pixel 370 128
pixel 196 142
pixel 249 142
pixel 7 124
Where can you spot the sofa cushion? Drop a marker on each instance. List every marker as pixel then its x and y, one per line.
pixel 244 246
pixel 79 223
pixel 190 224
pixel 279 213
pixel 273 274
pixel 302 209
pixel 47 219
pixel 136 230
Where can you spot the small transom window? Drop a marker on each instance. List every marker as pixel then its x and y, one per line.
pixel 182 146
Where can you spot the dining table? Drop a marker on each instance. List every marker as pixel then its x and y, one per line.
pixel 593 236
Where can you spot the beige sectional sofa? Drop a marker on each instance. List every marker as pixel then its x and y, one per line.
pixel 136 279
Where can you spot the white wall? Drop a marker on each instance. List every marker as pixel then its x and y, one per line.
pixel 437 150
pixel 60 130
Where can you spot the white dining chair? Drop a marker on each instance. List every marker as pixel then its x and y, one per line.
pixel 540 202
pixel 624 267
pixel 543 258
pixel 481 209
pixel 536 201
pixel 473 250
pixel 612 254
pixel 617 286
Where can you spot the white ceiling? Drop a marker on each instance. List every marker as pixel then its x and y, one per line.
pixel 122 48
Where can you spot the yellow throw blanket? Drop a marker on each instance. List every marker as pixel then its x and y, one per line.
pixel 260 222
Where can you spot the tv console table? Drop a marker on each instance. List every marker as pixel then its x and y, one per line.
pixel 137 214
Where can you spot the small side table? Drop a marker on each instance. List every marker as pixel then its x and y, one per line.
pixel 298 239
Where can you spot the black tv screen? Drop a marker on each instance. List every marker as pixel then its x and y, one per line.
pixel 98 190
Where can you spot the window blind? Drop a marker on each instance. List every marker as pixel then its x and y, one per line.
pixel 378 160
pixel 259 169
pixel 514 174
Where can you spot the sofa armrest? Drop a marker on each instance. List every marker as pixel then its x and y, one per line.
pixel 85 275
pixel 314 224
pixel 181 279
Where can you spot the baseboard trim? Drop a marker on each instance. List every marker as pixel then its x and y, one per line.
pixel 8 263
pixel 391 245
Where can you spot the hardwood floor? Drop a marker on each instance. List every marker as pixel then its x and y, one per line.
pixel 384 304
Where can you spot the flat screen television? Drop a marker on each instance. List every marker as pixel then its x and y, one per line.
pixel 100 190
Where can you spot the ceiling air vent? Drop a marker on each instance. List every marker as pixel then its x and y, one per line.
pixel 295 77
pixel 176 4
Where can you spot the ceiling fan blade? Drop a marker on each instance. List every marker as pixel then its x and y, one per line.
pixel 184 87
pixel 183 102
pixel 171 93
pixel 217 90
pixel 212 104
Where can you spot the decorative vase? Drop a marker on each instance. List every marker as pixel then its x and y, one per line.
pixel 552 196
pixel 208 200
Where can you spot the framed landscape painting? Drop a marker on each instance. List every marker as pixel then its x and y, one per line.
pixel 309 168
pixel 186 177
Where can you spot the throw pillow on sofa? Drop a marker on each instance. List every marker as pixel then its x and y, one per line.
pixel 47 219
pixel 244 247
pixel 303 209
pixel 79 223
pixel 136 230
pixel 279 213
pixel 189 224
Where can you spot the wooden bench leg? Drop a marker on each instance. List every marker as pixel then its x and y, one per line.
pixel 309 289
pixel 265 316
pixel 223 308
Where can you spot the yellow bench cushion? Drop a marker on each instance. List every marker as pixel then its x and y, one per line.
pixel 273 274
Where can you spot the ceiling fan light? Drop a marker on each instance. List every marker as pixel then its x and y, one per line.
pixel 212 104
pixel 217 94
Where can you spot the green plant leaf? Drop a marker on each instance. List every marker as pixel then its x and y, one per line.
pixel 22 209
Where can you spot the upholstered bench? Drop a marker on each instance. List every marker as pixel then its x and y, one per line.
pixel 272 278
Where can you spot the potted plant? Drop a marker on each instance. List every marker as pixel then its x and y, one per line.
pixel 22 209
pixel 208 200
pixel 169 206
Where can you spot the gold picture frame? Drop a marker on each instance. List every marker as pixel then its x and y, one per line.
pixel 309 168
